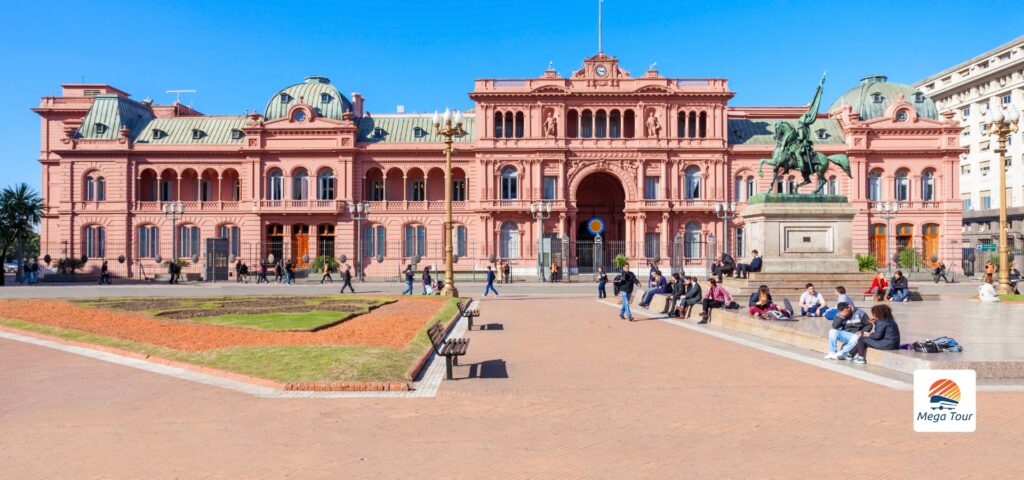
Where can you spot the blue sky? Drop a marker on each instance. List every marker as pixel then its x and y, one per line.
pixel 425 55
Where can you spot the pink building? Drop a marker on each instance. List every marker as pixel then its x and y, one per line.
pixel 648 155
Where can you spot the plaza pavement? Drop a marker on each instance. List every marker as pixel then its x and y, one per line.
pixel 560 388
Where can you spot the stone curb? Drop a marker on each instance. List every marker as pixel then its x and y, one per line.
pixel 417 367
pixel 263 382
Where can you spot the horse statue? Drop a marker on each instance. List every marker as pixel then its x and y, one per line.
pixel 784 159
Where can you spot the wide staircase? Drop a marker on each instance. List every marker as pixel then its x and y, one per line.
pixel 791 285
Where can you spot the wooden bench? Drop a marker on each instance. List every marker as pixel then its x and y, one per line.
pixel 468 314
pixel 451 350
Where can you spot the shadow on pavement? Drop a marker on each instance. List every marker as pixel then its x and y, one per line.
pixel 488 369
pixel 491 326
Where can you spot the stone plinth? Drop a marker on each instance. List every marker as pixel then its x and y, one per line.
pixel 802 233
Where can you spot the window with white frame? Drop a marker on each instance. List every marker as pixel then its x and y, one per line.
pixel 550 191
pixel 509 244
pixel 149 241
pixel 693 240
pixel 459 190
pixel 693 183
pixel 95 242
pixel 300 185
pixel 902 186
pixel 188 241
pixel 325 185
pixel 875 186
pixel 652 245
pixel 740 241
pixel 928 186
pixel 233 235
pixel 751 187
pixel 833 185
pixel 460 240
pixel 275 185
pixel 509 183
pixel 415 240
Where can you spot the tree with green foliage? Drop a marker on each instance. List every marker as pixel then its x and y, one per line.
pixel 619 261
pixel 867 263
pixel 21 209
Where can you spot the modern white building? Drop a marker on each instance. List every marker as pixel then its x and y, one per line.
pixel 994 79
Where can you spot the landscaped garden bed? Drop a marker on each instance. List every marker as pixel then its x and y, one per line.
pixel 285 339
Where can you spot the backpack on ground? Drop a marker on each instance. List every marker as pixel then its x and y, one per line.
pixel 776 315
pixel 926 346
pixel 947 344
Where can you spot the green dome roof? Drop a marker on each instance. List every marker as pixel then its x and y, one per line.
pixel 875 94
pixel 315 91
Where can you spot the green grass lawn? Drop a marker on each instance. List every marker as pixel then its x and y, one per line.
pixel 1012 298
pixel 281 363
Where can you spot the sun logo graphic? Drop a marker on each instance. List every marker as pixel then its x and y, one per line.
pixel 944 394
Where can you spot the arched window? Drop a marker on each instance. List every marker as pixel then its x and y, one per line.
pixel 601 124
pixel 587 124
pixel 751 187
pixel 693 183
pixel 275 185
pixel 738 189
pixel 499 122
pixel 703 125
pixel 325 185
pixel 572 124
pixel 509 183
pixel 928 186
pixel 234 236
pixel 875 186
pixel 90 189
pixel 629 124
pixel 693 240
pixel 415 240
pixel 691 126
pixel 833 185
pixel 149 241
pixel 300 184
pixel 95 245
pixel 520 124
pixel 188 241
pixel 615 125
pixel 902 185
pixel 101 189
pixel 508 124
pixel 509 240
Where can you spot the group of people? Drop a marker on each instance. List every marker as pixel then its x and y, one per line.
pixel 858 331
pixel 431 286
pixel 895 290
pixel 30 272
pixel 284 272
pixel 683 292
pixel 724 265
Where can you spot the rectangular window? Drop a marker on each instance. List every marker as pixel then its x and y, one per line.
pixel 966 198
pixel 381 242
pixel 416 191
pixel 550 188
pixel 236 193
pixel 965 169
pixel 738 189
pixel 459 190
pixel 985 168
pixel 421 241
pixel 205 191
pixel 509 186
pixel 377 191
pixel 651 188
pixel 965 113
pixel 740 248
pixel 1007 99
pixel 325 187
pixel 415 241
pixel 751 187
pixel 986 200
pixel 368 241
pixel 652 245
pixel 460 241
pixel 101 189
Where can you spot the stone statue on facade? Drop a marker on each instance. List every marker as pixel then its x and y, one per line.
pixel 653 125
pixel 551 125
pixel 794 149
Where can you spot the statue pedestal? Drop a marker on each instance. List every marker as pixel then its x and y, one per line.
pixel 802 234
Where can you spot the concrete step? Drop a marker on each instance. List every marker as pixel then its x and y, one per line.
pixel 812 334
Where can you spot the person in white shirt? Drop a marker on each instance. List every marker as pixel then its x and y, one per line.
pixel 812 304
pixel 987 291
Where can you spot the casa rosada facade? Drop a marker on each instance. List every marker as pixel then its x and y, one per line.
pixel 648 155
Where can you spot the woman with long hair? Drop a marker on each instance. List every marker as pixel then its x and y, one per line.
pixel 761 302
pixel 884 333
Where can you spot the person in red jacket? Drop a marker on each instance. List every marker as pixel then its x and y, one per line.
pixel 878 286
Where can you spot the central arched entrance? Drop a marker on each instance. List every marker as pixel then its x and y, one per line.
pixel 600 195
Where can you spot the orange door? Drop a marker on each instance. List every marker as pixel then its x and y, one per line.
pixel 878 243
pixel 300 244
pixel 930 234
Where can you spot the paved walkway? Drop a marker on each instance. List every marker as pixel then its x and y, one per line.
pixel 563 389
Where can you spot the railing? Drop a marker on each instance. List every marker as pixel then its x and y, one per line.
pixel 509 83
pixel 694 203
pixel 150 206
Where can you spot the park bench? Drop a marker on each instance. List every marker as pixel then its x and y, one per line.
pixel 468 314
pixel 451 349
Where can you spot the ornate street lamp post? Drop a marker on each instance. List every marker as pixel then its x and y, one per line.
pixel 1002 125
pixel 448 126
pixel 541 211
pixel 359 211
pixel 889 210
pixel 175 210
pixel 725 211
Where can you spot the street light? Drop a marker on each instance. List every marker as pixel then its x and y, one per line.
pixel 889 210
pixel 448 126
pixel 725 211
pixel 175 210
pixel 541 211
pixel 359 211
pixel 1002 125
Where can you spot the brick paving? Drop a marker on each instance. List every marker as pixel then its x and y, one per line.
pixel 569 391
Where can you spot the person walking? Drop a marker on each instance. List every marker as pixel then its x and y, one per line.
pixel 289 271
pixel 508 272
pixel 278 272
pixel 409 277
pixel 262 278
pixel 170 272
pixel 346 278
pixel 626 281
pixel 104 273
pixel 602 282
pixel 490 282
pixel 940 272
pixel 244 273
pixel 327 273
pixel 238 270
pixel 427 281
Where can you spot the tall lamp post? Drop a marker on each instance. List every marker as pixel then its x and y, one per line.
pixel 175 210
pixel 448 126
pixel 359 211
pixel 725 211
pixel 541 211
pixel 889 210
pixel 1002 124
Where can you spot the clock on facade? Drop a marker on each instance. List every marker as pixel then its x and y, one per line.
pixel 602 70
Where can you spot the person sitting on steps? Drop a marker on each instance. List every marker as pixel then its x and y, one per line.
pixel 884 334
pixel 899 290
pixel 760 302
pixel 717 297
pixel 847 323
pixel 724 265
pixel 744 269
pixel 812 303
pixel 677 291
pixel 878 287
pixel 658 286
